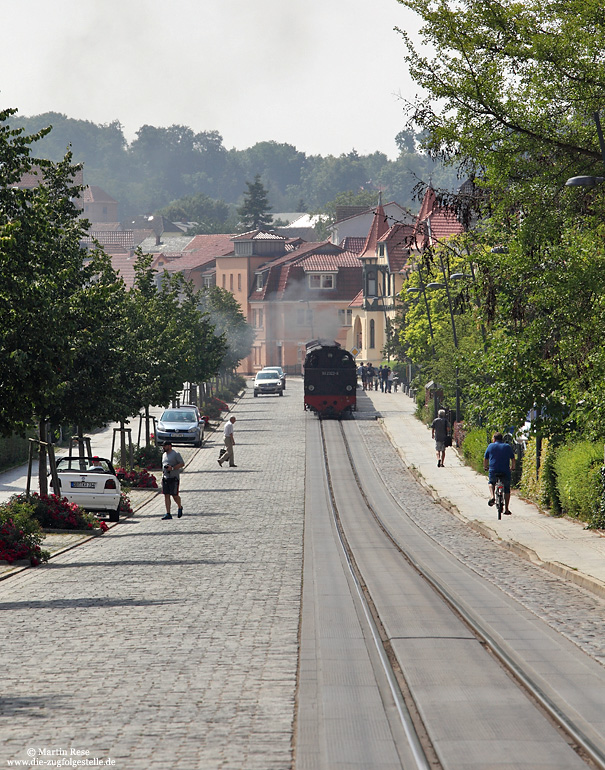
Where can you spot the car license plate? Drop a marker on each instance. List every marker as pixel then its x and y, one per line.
pixel 83 485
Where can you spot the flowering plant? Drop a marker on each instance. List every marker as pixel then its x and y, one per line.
pixel 139 477
pixel 54 512
pixel 148 457
pixel 125 506
pixel 20 534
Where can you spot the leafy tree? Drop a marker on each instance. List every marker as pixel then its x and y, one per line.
pixel 512 89
pixel 211 215
pixel 254 213
pixel 51 292
pixel 280 167
pixel 173 341
pixel 225 314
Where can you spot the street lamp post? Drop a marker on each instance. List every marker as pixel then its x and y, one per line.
pixel 436 285
pixel 309 316
pixel 421 289
pixel 590 181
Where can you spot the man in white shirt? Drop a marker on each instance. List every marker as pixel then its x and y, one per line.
pixel 229 440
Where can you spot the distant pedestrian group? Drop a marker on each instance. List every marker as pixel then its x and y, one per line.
pixel 373 378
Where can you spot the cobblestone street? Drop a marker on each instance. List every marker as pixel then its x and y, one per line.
pixel 168 644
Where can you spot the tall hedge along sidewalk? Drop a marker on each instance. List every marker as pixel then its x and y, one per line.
pixel 570 482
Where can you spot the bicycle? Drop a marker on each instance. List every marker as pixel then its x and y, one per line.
pixel 499 494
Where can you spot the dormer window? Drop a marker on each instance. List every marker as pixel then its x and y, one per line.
pixel 322 281
pixel 259 281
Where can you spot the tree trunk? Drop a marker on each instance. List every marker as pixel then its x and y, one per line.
pixel 42 477
pixel 147 432
pixel 123 461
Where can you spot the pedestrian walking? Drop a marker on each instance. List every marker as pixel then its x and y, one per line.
pixel 440 432
pixel 229 440
pixel 172 465
pixel 384 378
pixel 389 380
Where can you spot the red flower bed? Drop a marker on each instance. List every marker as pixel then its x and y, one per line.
pixel 20 534
pixel 139 477
pixel 53 512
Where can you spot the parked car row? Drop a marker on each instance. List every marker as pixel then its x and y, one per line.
pixel 271 379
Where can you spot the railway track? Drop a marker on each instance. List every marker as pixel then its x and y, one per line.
pixel 464 676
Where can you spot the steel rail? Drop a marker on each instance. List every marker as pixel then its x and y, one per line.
pixel 418 753
pixel 514 667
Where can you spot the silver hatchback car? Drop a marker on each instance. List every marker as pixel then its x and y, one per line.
pixel 181 425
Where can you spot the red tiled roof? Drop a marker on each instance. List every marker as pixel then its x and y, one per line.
pixel 285 279
pixel 258 235
pixel 398 241
pixel 123 238
pixel 353 243
pixel 330 261
pixel 124 265
pixel 215 243
pixel 357 301
pixel 94 194
pixel 434 223
pixel 379 227
pixel 444 224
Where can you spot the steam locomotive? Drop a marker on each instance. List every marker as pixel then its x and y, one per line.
pixel 330 379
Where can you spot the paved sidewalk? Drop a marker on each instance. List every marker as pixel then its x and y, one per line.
pixel 561 545
pixel 171 644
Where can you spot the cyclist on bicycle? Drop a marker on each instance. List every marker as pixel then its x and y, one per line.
pixel 499 459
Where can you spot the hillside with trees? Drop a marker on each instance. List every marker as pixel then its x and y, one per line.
pixel 176 170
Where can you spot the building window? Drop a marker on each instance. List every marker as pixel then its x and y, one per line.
pixel 372 334
pixel 371 284
pixel 345 317
pixel 322 281
pixel 224 280
pixel 260 319
pixel 259 282
pixel 381 250
pixel 239 281
pixel 231 282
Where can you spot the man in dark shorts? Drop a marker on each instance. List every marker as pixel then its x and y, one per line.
pixel 439 432
pixel 172 464
pixel 499 459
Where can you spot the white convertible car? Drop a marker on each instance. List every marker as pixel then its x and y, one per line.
pixel 91 484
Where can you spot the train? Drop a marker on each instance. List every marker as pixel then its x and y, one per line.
pixel 330 380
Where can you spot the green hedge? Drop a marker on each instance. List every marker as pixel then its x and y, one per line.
pixel 14 450
pixel 473 448
pixel 578 471
pixel 541 488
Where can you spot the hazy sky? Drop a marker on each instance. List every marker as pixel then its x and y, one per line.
pixel 323 75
